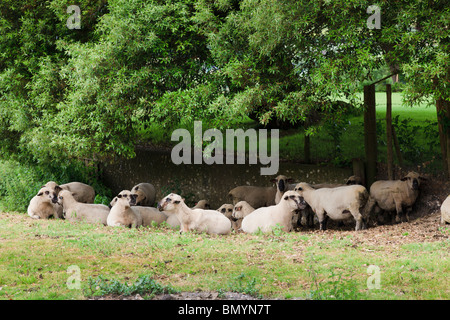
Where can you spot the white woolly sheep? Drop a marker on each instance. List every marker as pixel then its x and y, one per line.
pixel 256 196
pixel 122 194
pixel 395 195
pixel 210 221
pixel 264 219
pixel 88 212
pixel 445 211
pixel 146 194
pixel 151 215
pixel 338 203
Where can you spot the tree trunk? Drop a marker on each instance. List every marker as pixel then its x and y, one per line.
pixel 307 148
pixel 370 134
pixel 443 133
pixel 389 139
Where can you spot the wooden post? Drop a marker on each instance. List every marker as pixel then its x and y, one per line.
pixel 389 139
pixel 358 170
pixel 370 134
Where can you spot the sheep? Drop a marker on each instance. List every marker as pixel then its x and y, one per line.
pixel 41 206
pixel 394 195
pixel 151 215
pixel 81 192
pixel 74 210
pixel 146 194
pixel 202 204
pixel 256 196
pixel 123 214
pixel 264 219
pixel 124 193
pixel 210 221
pixel 240 210
pixel 338 203
pixel 226 209
pixel 445 211
pixel 352 180
pixel 283 184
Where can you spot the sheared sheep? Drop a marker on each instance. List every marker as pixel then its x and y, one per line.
pixel 146 194
pixel 336 203
pixel 202 204
pixel 283 184
pixel 210 221
pixel 124 214
pixel 121 194
pixel 42 207
pixel 81 192
pixel 264 219
pixel 395 195
pixel 445 211
pixel 88 212
pixel 151 215
pixel 256 196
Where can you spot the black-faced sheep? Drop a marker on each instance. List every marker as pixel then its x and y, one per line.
pixel 395 195
pixel 88 212
pixel 210 221
pixel 256 196
pixel 338 203
pixel 146 194
pixel 283 184
pixel 265 218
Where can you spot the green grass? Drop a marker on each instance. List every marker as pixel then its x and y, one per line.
pixel 35 256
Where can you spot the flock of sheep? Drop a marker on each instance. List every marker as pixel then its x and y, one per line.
pixel 251 208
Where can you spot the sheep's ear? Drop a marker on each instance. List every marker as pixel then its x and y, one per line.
pixel 40 194
pixel 136 188
pixel 182 199
pixel 299 189
pixel 119 196
pixel 177 202
pixel 58 188
pixel 404 179
pixel 286 197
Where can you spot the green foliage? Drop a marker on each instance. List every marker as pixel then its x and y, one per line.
pixel 144 286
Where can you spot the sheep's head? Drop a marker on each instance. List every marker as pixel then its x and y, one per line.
pixel 124 194
pixel 294 200
pixel 54 189
pixel 239 210
pixel 281 182
pixel 301 187
pixel 413 180
pixel 227 210
pixel 353 180
pixel 46 195
pixel 64 194
pixel 202 204
pixel 170 202
pixel 141 197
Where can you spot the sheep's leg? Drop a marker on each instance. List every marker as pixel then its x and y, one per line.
pixel 358 218
pixel 323 218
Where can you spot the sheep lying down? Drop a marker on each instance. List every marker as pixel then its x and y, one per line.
pixel 88 212
pixel 265 218
pixel 210 221
pixel 41 206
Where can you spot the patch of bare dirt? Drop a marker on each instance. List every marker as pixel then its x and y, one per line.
pixel 197 295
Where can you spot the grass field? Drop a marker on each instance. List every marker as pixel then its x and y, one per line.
pixel 412 262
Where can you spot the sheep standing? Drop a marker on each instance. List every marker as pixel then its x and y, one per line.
pixel 264 219
pixel 41 206
pixel 123 214
pixel 395 195
pixel 210 221
pixel 146 194
pixel 256 196
pixel 81 192
pixel 338 203
pixel 445 211
pixel 88 212
pixel 283 184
